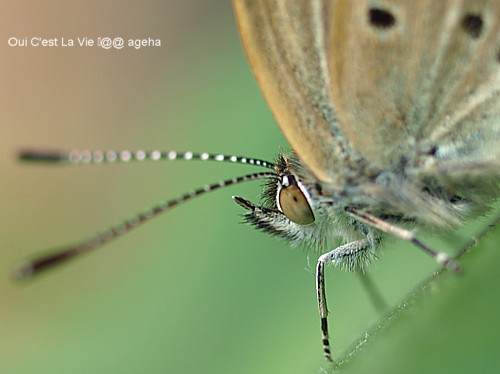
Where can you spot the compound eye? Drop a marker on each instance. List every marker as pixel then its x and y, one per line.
pixel 294 205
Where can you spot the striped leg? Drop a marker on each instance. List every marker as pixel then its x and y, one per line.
pixel 352 249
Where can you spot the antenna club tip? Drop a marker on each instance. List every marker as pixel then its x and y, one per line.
pixel 23 271
pixel 34 155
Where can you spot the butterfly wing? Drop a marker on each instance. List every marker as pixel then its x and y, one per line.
pixel 285 44
pixel 393 83
pixel 411 78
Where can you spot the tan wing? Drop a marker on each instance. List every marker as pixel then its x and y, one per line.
pixel 411 74
pixel 284 42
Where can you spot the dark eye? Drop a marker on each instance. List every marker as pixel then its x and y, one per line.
pixel 294 205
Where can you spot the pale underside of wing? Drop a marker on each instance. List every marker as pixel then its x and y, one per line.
pixel 353 89
pixel 425 82
pixel 285 45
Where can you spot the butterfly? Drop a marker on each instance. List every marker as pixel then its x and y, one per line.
pixel 391 109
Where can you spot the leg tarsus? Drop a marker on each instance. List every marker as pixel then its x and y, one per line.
pixel 338 254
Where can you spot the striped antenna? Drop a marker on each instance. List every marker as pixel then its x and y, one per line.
pixel 86 157
pixel 37 265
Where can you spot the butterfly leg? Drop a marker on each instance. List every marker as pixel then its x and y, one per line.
pixel 339 254
pixel 376 299
pixel 404 234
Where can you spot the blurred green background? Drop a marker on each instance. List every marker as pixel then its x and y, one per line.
pixel 194 290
